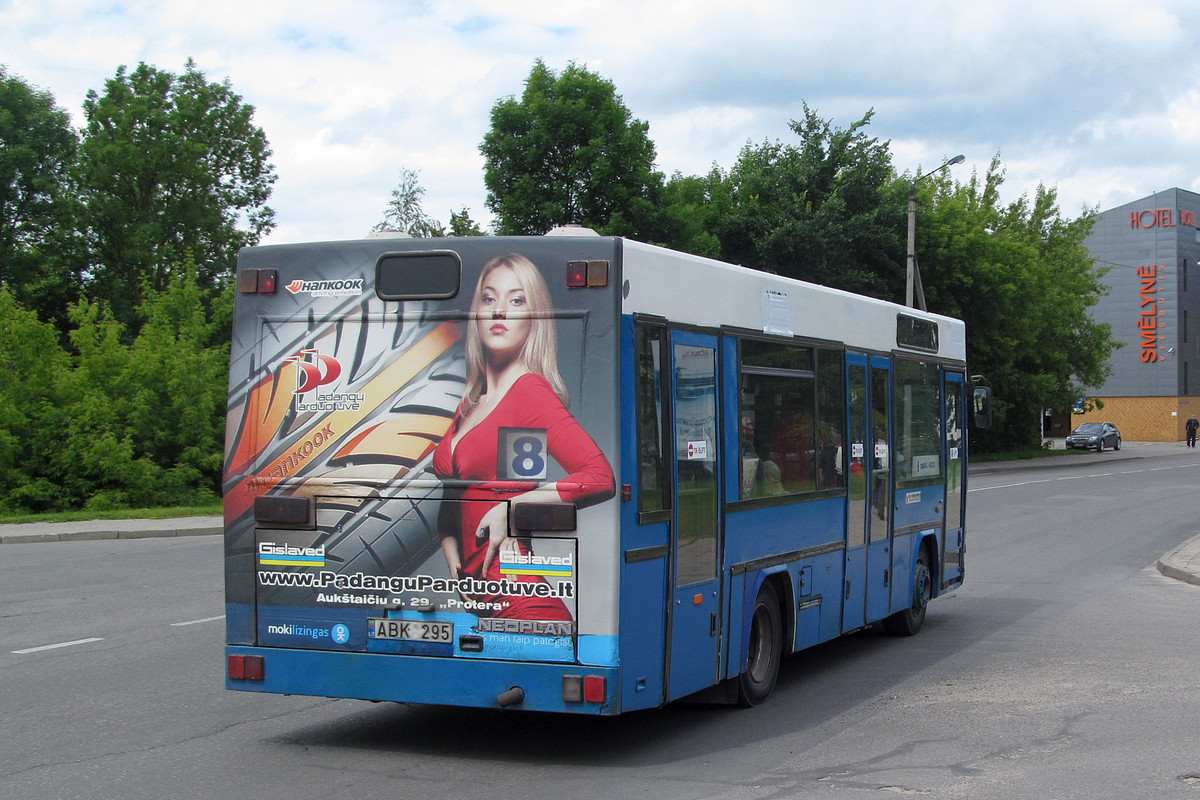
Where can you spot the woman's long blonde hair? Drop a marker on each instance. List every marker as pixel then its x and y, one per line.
pixel 540 352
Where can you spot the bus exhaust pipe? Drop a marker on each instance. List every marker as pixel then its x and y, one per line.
pixel 513 697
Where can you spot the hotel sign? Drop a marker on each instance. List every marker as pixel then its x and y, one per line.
pixel 1160 218
pixel 1149 312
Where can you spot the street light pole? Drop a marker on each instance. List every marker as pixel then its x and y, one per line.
pixel 914 274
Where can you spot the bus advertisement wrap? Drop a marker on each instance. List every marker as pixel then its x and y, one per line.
pixel 412 435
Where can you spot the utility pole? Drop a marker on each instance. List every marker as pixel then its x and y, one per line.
pixel 914 274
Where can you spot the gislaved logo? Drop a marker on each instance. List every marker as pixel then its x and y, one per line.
pixel 530 564
pixel 271 554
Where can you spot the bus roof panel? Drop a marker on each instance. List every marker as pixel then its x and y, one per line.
pixel 694 290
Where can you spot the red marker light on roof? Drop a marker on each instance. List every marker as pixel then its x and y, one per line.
pixel 577 274
pixel 267 278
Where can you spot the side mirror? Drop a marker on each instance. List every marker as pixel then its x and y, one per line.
pixel 981 404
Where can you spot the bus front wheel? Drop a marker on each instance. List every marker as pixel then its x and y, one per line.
pixel 765 651
pixel 909 621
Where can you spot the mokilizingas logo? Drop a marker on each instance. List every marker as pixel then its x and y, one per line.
pixel 314 370
pixel 342 288
pixel 339 633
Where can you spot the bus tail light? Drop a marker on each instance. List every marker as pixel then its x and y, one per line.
pixel 246 668
pixel 584 688
pixel 595 689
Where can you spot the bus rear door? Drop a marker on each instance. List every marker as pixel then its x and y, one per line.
pixel 695 597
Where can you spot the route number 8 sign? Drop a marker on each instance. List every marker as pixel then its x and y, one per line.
pixel 522 454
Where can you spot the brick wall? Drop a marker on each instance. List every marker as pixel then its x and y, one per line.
pixel 1145 419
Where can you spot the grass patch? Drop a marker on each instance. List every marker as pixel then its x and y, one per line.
pixel 129 513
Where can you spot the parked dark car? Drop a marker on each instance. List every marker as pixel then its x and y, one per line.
pixel 1094 436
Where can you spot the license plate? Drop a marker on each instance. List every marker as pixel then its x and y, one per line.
pixel 410 630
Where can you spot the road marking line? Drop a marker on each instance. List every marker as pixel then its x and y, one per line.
pixel 1078 477
pixel 60 644
pixel 1006 486
pixel 196 621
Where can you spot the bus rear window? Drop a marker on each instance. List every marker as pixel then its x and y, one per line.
pixel 423 275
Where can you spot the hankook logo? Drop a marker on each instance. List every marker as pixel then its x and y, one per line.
pixel 342 288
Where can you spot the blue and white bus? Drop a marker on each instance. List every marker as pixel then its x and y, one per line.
pixel 574 473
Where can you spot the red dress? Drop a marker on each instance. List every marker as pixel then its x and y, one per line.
pixel 529 404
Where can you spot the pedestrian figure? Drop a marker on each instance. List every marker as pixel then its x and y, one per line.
pixel 1191 425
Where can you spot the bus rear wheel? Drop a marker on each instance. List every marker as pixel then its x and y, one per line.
pixel 765 651
pixel 909 621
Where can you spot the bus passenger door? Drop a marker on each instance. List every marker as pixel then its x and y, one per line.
pixel 953 543
pixel 695 618
pixel 879 490
pixel 855 591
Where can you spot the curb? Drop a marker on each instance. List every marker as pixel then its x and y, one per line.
pixel 32 533
pixel 1167 564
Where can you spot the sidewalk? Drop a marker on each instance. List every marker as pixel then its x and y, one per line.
pixel 91 530
pixel 1182 563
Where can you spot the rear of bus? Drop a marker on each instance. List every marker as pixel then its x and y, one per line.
pixel 365 454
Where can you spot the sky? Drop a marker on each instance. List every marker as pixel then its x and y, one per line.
pixel 1099 100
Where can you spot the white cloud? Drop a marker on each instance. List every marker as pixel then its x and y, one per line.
pixel 1095 98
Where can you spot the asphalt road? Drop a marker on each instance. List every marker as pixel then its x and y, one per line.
pixel 1066 667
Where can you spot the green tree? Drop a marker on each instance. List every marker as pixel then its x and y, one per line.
pixel 111 424
pixel 33 364
pixel 172 168
pixel 1023 282
pixel 569 152
pixel 140 424
pixel 38 149
pixel 177 376
pixel 461 224
pixel 84 450
pixel 825 211
pixel 404 211
pixel 693 209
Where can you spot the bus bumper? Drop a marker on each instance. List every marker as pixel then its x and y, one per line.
pixel 387 677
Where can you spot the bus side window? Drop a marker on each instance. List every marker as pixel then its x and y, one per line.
pixel 918 406
pixel 831 412
pixel 778 431
pixel 652 473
